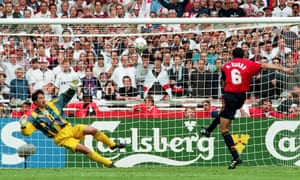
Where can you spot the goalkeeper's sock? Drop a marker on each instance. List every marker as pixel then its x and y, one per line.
pixel 230 144
pixel 98 158
pixel 213 124
pixel 100 136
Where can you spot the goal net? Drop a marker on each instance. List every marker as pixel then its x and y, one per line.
pixel 121 63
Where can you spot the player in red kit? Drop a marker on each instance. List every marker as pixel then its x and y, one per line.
pixel 236 75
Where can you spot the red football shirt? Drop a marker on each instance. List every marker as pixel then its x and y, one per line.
pixel 238 74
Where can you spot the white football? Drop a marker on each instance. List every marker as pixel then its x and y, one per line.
pixel 26 150
pixel 140 44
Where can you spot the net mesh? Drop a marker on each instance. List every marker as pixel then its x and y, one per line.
pixel 51 56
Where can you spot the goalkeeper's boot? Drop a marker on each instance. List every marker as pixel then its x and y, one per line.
pixel 118 145
pixel 111 166
pixel 204 132
pixel 234 163
pixel 74 84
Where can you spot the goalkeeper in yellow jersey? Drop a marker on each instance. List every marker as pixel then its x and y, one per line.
pixel 48 117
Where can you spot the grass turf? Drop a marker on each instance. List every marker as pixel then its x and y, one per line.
pixel 162 173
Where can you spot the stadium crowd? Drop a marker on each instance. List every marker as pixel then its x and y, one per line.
pixel 185 63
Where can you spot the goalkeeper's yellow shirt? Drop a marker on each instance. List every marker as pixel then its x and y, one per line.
pixel 51 119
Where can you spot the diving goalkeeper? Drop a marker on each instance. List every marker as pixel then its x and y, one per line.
pixel 48 117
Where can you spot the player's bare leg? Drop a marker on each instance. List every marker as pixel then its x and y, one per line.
pixel 100 136
pixel 94 156
pixel 224 129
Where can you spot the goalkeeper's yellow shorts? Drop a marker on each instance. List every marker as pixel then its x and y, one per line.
pixel 70 136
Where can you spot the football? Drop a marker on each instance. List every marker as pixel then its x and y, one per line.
pixel 26 150
pixel 140 44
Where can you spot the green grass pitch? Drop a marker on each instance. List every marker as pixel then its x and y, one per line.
pixel 157 173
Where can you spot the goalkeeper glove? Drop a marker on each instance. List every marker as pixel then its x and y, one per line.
pixel 74 84
pixel 23 121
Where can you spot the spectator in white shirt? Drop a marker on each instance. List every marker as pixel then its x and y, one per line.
pixel 122 71
pixel 44 13
pixel 10 67
pixel 268 51
pixel 250 8
pixel 281 50
pixel 167 62
pixel 64 78
pixel 34 65
pixel 63 7
pixel 77 49
pixel 282 10
pixel 80 68
pixel 42 76
pixel 107 52
pixel 99 66
pixel 66 39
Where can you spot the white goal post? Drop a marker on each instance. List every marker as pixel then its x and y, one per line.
pixel 260 20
